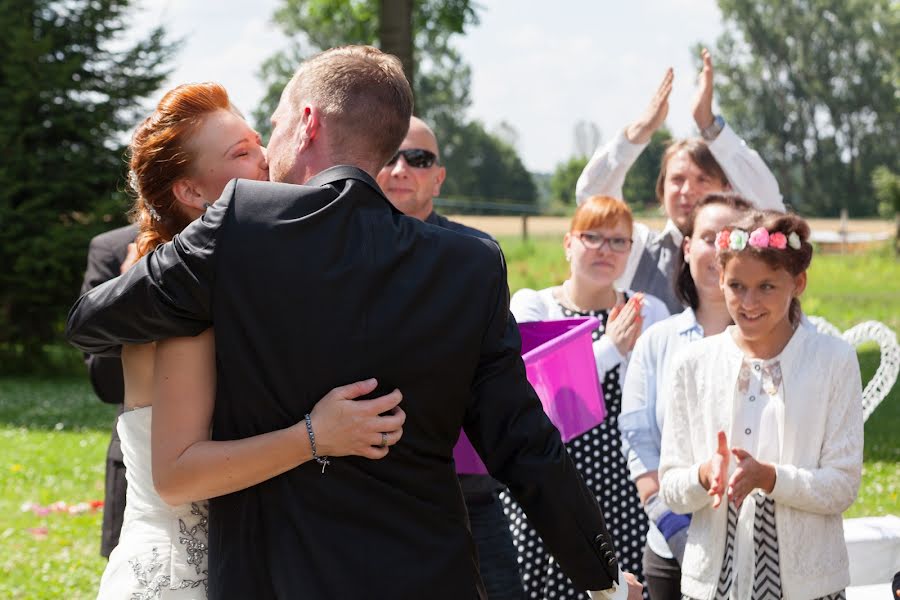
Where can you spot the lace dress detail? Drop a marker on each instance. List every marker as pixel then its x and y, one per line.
pixel 162 551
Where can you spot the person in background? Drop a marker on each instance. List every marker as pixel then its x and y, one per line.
pixel 763 437
pixel 596 247
pixel 107 253
pixel 717 161
pixel 643 409
pixel 411 180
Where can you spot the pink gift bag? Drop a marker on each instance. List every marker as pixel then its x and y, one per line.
pixel 560 365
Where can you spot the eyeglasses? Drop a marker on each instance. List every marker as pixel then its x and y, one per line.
pixel 595 241
pixel 418 158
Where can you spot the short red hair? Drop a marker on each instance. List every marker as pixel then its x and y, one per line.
pixel 601 211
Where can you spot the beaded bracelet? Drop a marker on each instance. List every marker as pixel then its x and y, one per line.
pixel 322 460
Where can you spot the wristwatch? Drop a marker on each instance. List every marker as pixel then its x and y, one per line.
pixel 712 132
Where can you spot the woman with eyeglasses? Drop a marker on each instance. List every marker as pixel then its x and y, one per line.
pixel 597 248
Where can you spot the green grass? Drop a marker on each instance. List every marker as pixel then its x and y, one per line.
pixel 54 432
pixel 53 438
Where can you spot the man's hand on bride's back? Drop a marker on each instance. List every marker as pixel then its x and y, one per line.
pixel 345 426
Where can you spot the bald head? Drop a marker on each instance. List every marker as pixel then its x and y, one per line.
pixel 411 189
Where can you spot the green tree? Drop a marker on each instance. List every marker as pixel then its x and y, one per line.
pixel 886 184
pixel 441 85
pixel 442 79
pixel 480 166
pixel 812 85
pixel 69 91
pixel 564 178
pixel 640 183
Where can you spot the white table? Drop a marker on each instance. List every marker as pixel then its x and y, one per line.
pixel 873 544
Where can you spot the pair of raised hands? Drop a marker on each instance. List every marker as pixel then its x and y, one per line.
pixel 749 474
pixel 642 130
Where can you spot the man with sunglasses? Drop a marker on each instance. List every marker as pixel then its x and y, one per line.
pixel 411 180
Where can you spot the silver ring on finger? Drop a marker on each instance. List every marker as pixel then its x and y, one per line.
pixel 383 440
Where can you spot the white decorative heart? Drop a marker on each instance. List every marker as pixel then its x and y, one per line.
pixel 886 374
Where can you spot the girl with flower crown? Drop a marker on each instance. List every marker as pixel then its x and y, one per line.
pixel 763 437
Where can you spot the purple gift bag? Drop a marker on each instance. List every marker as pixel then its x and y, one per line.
pixel 560 365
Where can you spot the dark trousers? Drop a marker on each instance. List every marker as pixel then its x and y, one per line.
pixel 113 505
pixel 662 576
pixel 496 552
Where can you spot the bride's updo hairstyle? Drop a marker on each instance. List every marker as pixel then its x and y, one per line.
pixel 160 156
pixel 781 240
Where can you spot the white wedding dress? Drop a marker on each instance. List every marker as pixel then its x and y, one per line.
pixel 162 551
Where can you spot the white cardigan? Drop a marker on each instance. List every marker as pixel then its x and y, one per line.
pixel 817 477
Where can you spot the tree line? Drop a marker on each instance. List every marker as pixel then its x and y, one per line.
pixel 811 84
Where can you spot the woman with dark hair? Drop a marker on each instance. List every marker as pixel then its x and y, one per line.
pixel 767 417
pixel 596 247
pixel 182 157
pixel 643 408
pixel 718 161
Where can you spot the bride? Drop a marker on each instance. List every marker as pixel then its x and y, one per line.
pixel 182 157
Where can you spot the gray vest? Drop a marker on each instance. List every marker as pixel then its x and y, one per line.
pixel 655 273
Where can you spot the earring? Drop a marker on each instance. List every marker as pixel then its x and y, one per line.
pixel 568 257
pixel 206 205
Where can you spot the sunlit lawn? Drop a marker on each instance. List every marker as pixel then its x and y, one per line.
pixel 54 432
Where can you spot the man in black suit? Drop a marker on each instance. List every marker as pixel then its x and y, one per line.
pixel 106 254
pixel 411 180
pixel 326 282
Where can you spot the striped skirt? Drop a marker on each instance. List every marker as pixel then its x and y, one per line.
pixel 766 566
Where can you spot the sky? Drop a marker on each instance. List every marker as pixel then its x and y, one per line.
pixel 539 69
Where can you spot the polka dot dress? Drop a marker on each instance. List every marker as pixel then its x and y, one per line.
pixel 598 456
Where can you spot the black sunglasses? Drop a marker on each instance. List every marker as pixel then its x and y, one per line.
pixel 418 158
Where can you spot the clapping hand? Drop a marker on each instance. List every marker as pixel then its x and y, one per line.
pixel 749 475
pixel 642 130
pixel 714 471
pixel 703 113
pixel 625 323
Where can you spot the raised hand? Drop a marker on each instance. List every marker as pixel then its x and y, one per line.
pixel 714 471
pixel 749 475
pixel 344 426
pixel 642 130
pixel 625 323
pixel 703 112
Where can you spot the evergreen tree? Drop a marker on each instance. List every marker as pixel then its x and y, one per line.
pixel 69 92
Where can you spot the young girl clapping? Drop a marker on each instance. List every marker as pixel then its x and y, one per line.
pixel 763 438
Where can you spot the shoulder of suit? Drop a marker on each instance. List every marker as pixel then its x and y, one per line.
pixel 461 228
pixel 121 236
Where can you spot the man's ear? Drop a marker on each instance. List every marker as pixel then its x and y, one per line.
pixel 309 127
pixel 438 180
pixel 187 193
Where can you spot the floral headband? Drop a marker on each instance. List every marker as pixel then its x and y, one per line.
pixel 737 239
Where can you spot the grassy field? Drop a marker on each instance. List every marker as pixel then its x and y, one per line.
pixel 54 432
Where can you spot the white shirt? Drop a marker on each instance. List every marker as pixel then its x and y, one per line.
pixel 746 172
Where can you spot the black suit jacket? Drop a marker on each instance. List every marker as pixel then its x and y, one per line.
pixel 315 286
pixel 105 255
